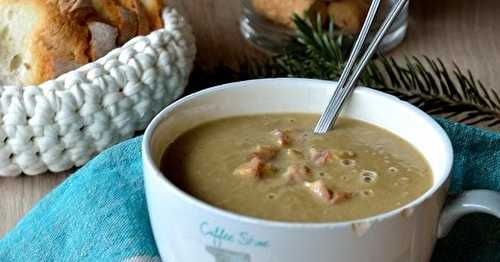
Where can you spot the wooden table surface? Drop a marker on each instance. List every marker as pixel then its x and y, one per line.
pixel 461 31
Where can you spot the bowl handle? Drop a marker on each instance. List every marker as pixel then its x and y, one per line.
pixel 473 201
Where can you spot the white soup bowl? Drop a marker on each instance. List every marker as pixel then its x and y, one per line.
pixel 189 230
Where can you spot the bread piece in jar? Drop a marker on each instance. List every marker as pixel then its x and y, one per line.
pixel 349 15
pixel 281 12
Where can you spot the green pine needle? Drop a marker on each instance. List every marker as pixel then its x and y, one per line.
pixel 426 83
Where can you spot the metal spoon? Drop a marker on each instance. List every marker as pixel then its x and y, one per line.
pixel 349 78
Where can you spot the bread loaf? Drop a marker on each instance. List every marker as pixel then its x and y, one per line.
pixel 42 39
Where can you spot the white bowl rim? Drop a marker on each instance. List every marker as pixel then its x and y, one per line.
pixel 185 197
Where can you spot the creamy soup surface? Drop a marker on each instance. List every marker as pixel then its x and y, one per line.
pixel 273 167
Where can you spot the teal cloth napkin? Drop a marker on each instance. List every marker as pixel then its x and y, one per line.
pixel 100 214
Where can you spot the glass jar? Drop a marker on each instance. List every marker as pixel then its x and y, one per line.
pixel 272 37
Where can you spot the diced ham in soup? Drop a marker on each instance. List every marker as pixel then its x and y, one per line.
pixel 319 189
pixel 320 157
pixel 294 154
pixel 283 138
pixel 339 197
pixel 264 153
pixel 252 168
pixel 297 173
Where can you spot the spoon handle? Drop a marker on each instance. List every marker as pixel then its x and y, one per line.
pixel 348 78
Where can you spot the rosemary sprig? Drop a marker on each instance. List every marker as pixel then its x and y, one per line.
pixel 424 82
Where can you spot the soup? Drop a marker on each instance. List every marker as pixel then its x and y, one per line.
pixel 273 167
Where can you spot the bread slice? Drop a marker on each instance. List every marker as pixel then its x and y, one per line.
pixel 118 16
pixel 42 39
pixel 140 13
pixel 38 43
pixel 15 59
pixel 153 11
pixel 76 9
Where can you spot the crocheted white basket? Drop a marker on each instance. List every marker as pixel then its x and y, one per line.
pixel 64 122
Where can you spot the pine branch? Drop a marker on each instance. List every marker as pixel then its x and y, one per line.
pixel 424 82
pixel 430 86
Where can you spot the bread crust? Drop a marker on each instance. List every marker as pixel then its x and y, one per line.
pixel 153 10
pixel 118 16
pixel 140 13
pixel 76 9
pixel 56 44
